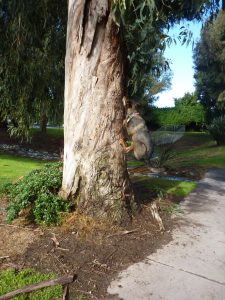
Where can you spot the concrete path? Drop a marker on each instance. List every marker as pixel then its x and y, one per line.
pixel 192 265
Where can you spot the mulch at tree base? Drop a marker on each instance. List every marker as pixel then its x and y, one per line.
pixel 96 252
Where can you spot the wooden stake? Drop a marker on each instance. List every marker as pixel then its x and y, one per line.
pixel 64 281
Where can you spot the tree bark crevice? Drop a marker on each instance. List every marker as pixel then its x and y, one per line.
pixel 97 12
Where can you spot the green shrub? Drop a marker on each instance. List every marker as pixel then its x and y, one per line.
pixel 38 193
pixel 217 130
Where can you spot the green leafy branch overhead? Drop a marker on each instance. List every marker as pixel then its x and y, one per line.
pixel 142 25
pixel 32 51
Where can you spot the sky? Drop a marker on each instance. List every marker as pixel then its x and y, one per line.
pixel 181 66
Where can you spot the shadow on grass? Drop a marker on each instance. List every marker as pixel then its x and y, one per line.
pixel 147 189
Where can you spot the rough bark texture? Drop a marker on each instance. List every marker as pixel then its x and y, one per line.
pixel 95 173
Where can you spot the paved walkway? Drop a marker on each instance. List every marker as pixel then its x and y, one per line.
pixel 192 265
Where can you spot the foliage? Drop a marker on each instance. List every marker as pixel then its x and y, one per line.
pixel 37 192
pixel 11 279
pixel 187 111
pixel 217 130
pixel 142 26
pixel 190 110
pixel 209 58
pixel 32 52
pixel 48 207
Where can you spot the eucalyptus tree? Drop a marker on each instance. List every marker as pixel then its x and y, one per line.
pixel 32 52
pixel 110 44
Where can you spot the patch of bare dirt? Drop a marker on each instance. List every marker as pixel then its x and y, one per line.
pixel 14 238
pixel 95 251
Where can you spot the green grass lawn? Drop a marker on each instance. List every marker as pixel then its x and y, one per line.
pixel 12 167
pixel 56 132
pixel 199 150
pixel 195 149
pixel 11 280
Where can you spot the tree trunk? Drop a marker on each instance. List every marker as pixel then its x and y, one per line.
pixel 95 173
pixel 3 125
pixel 43 123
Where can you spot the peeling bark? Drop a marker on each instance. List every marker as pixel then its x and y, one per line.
pixel 95 173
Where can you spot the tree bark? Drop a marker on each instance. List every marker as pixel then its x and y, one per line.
pixel 43 123
pixel 95 172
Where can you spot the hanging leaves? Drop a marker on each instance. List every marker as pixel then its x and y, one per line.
pixel 142 24
pixel 32 52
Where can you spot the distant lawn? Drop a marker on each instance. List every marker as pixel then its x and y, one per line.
pixel 12 167
pixel 195 149
pixel 198 149
pixel 208 157
pixel 56 132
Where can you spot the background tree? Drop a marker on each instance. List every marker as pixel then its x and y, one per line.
pixel 209 57
pixel 187 111
pixel 32 54
pixel 147 97
pixel 190 111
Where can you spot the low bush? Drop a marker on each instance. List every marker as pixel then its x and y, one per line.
pixel 217 130
pixel 37 195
